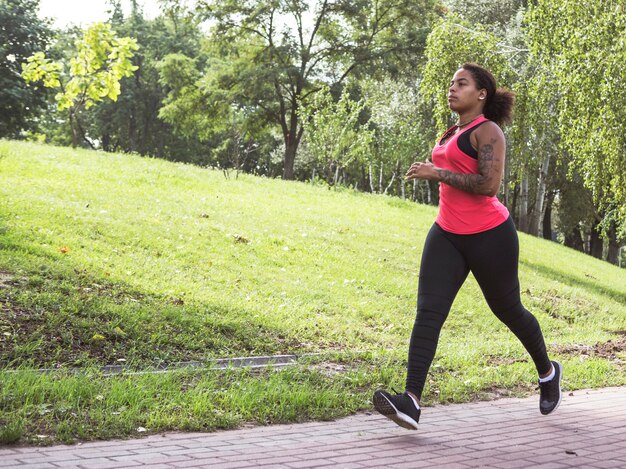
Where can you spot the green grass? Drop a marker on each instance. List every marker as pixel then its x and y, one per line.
pixel 109 259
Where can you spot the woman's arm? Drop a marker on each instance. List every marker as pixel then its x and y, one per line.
pixel 491 153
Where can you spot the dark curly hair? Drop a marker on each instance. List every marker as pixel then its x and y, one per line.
pixel 499 102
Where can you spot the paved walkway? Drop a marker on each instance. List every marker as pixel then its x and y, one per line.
pixel 588 430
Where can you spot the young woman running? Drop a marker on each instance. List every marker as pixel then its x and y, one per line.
pixel 473 233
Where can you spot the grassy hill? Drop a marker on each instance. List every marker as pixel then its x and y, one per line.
pixel 117 259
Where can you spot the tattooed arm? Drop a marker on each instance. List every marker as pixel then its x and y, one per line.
pixel 490 142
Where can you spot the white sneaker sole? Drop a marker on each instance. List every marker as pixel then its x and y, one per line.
pixel 385 407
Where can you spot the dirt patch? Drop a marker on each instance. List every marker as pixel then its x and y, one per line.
pixel 6 279
pixel 609 350
pixel 495 392
pixel 494 360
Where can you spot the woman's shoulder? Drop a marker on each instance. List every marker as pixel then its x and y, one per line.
pixel 489 129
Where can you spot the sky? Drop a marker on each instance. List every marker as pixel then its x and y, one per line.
pixel 85 12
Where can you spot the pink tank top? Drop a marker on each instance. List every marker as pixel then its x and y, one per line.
pixel 462 212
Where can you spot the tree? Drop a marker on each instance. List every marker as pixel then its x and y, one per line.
pixel 235 136
pixel 334 135
pixel 452 42
pixel 21 34
pixel 398 137
pixel 495 16
pixel 132 123
pixel 581 61
pixel 279 52
pixel 491 34
pixel 94 74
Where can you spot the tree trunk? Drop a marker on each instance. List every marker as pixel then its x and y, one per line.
pixel 106 142
pixel 74 130
pixel 513 207
pixel 292 141
pixel 523 206
pixel 79 132
pixel 336 177
pixel 613 250
pixel 393 177
pixel 505 181
pixel 574 239
pixel 595 241
pixel 132 133
pixel 290 157
pixel 547 217
pixel 536 215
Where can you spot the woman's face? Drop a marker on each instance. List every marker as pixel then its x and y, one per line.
pixel 463 94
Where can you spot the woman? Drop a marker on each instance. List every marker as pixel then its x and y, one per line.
pixel 473 233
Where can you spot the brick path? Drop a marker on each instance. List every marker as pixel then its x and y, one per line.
pixel 588 430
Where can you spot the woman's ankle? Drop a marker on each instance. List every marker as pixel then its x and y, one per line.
pixel 415 398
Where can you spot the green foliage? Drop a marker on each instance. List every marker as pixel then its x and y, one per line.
pixel 102 59
pixel 395 116
pixel 333 133
pixel 190 111
pixel 581 62
pixel 452 42
pixel 22 34
pixel 40 68
pixel 495 16
pixel 280 52
pixel 132 123
pixel 197 106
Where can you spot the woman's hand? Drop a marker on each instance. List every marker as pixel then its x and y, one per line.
pixel 423 170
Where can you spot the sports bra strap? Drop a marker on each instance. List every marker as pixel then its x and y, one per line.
pixel 464 143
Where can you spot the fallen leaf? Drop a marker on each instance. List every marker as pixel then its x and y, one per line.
pixel 241 239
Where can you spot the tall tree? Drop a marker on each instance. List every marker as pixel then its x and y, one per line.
pixel 132 123
pixel 22 33
pixel 452 42
pixel 101 60
pixel 334 135
pixel 398 137
pixel 279 52
pixel 582 61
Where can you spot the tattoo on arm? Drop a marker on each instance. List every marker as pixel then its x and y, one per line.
pixel 474 183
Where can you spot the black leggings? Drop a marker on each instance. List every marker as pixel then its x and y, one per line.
pixel 492 256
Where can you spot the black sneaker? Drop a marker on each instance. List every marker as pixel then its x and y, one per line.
pixel 550 391
pixel 399 408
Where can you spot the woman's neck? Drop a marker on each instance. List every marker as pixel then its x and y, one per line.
pixel 467 118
